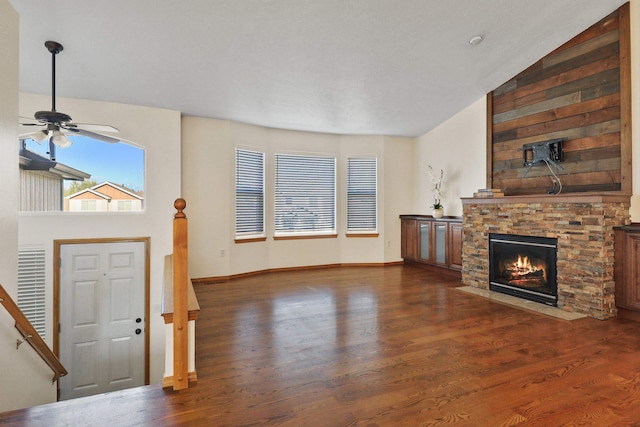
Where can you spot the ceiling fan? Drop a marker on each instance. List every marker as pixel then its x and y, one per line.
pixel 56 126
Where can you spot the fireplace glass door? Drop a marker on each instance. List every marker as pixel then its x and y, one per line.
pixel 524 266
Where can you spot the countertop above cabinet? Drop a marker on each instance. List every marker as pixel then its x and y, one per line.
pixel 430 218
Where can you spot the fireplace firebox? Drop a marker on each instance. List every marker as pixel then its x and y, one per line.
pixel 524 266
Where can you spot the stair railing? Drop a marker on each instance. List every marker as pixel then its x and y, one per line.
pixel 30 335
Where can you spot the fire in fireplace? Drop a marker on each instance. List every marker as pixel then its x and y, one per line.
pixel 524 266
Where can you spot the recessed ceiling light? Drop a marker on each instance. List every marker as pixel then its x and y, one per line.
pixel 476 40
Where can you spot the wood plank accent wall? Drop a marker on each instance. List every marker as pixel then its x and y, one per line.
pixel 581 92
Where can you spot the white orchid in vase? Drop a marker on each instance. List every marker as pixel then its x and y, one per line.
pixel 438 194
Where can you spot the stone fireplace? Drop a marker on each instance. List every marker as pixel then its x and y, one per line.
pixel 583 226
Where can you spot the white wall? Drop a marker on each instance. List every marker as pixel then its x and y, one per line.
pixel 25 380
pixel 207 161
pixel 398 190
pixel 158 132
pixel 458 147
pixel 208 185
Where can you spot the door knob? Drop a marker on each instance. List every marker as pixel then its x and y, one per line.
pixel 138 331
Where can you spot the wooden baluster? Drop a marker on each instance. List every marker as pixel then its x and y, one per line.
pixel 180 296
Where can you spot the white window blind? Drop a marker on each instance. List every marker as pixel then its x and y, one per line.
pixel 305 194
pixel 249 192
pixel 362 194
pixel 31 287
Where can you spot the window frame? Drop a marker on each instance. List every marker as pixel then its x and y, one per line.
pixel 88 205
pixel 125 205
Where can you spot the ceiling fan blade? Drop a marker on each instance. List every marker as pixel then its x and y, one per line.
pixel 93 127
pixel 32 124
pixel 94 135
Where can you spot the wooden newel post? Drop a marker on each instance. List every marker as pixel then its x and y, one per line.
pixel 180 295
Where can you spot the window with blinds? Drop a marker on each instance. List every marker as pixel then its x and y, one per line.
pixel 362 194
pixel 249 193
pixel 305 195
pixel 31 287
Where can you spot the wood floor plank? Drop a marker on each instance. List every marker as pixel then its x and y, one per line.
pixel 366 346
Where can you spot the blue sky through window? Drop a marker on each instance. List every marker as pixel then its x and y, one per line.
pixel 119 163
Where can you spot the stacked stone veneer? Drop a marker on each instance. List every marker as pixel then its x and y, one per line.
pixel 585 236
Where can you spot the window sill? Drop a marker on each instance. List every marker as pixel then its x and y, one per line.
pixel 306 236
pixel 362 234
pixel 250 239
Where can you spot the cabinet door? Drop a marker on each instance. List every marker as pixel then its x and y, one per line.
pixel 619 266
pixel 440 243
pixel 632 272
pixel 455 246
pixel 425 240
pixel 409 239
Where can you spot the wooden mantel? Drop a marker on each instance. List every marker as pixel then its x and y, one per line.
pixel 543 198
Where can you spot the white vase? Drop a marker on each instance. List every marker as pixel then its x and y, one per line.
pixel 437 213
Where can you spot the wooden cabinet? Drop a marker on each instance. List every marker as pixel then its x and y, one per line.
pixel 409 241
pixel 627 269
pixel 431 241
pixel 455 245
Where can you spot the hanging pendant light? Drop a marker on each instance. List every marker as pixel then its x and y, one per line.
pixel 60 139
pixel 39 136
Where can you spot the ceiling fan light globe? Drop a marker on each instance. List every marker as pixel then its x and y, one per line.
pixel 60 140
pixel 39 136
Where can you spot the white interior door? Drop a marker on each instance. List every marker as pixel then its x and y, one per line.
pixel 102 312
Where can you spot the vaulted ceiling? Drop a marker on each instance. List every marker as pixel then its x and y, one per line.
pixel 391 67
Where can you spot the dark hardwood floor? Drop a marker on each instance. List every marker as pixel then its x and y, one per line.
pixel 392 346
